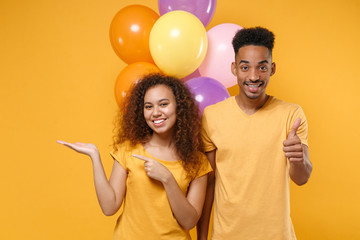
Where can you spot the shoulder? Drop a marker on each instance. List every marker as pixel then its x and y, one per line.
pixel 219 106
pixel 281 105
pixel 205 166
pixel 288 111
pixel 125 146
pixel 123 152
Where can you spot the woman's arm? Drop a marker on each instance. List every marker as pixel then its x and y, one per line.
pixel 110 193
pixel 186 209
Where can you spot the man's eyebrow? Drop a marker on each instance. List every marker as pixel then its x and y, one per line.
pixel 261 62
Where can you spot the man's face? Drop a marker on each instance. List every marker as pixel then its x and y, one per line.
pixel 253 68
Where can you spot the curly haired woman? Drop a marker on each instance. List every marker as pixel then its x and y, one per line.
pixel 159 173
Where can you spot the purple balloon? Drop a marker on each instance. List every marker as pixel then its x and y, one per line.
pixel 202 9
pixel 207 91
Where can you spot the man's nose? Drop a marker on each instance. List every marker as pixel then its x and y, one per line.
pixel 254 76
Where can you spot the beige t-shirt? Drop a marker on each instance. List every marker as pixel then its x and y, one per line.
pixel 146 212
pixel 252 173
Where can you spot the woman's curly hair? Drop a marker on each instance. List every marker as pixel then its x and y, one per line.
pixel 131 125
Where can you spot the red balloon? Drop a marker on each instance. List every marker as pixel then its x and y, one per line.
pixel 129 75
pixel 130 31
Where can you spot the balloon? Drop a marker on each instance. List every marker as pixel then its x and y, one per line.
pixel 192 75
pixel 220 54
pixel 129 33
pixel 178 43
pixel 207 91
pixel 203 9
pixel 129 75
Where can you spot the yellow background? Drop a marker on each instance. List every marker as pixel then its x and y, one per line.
pixel 57 73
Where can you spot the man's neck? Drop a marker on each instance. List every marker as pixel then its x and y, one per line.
pixel 250 106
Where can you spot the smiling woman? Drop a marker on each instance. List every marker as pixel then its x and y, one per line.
pixel 160 110
pixel 159 173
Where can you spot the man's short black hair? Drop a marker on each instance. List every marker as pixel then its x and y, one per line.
pixel 257 36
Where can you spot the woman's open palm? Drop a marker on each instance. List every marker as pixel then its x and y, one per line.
pixel 84 148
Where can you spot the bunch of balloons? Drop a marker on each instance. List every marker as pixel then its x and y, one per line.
pixel 175 43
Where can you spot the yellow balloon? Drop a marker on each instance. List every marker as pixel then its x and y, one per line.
pixel 178 43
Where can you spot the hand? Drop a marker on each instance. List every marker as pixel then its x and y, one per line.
pixel 293 148
pixel 84 148
pixel 154 169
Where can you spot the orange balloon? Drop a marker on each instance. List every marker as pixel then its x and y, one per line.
pixel 129 75
pixel 130 31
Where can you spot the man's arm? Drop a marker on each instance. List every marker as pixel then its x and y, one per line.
pixel 298 155
pixel 300 170
pixel 203 223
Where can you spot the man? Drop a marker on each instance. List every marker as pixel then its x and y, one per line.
pixel 254 143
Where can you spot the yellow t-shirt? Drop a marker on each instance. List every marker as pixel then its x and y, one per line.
pixel 252 173
pixel 146 212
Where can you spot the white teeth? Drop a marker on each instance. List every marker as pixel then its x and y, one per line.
pixel 159 121
pixel 254 86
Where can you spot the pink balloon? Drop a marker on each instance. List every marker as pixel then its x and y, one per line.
pixel 220 54
pixel 195 74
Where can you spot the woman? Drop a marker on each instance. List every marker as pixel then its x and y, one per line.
pixel 159 173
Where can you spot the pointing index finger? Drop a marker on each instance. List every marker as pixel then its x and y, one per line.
pixel 146 159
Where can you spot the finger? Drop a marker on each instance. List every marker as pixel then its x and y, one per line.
pixel 66 143
pixel 146 159
pixel 296 160
pixel 295 127
pixel 294 154
pixel 294 148
pixel 292 141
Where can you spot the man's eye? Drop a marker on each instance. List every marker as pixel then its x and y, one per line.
pixel 263 68
pixel 244 68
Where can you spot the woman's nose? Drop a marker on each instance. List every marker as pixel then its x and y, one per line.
pixel 156 111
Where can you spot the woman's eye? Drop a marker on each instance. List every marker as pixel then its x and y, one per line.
pixel 163 104
pixel 147 106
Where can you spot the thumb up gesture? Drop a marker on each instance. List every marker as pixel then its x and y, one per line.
pixel 292 145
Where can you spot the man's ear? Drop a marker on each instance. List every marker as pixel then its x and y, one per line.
pixel 273 68
pixel 233 68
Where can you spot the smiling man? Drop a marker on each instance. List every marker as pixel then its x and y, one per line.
pixel 255 143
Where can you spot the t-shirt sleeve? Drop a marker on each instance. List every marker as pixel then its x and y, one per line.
pixel 120 154
pixel 302 131
pixel 208 144
pixel 205 166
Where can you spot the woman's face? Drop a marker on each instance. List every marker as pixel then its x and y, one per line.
pixel 160 109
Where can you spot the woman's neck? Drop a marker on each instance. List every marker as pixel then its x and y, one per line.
pixel 161 141
pixel 162 148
